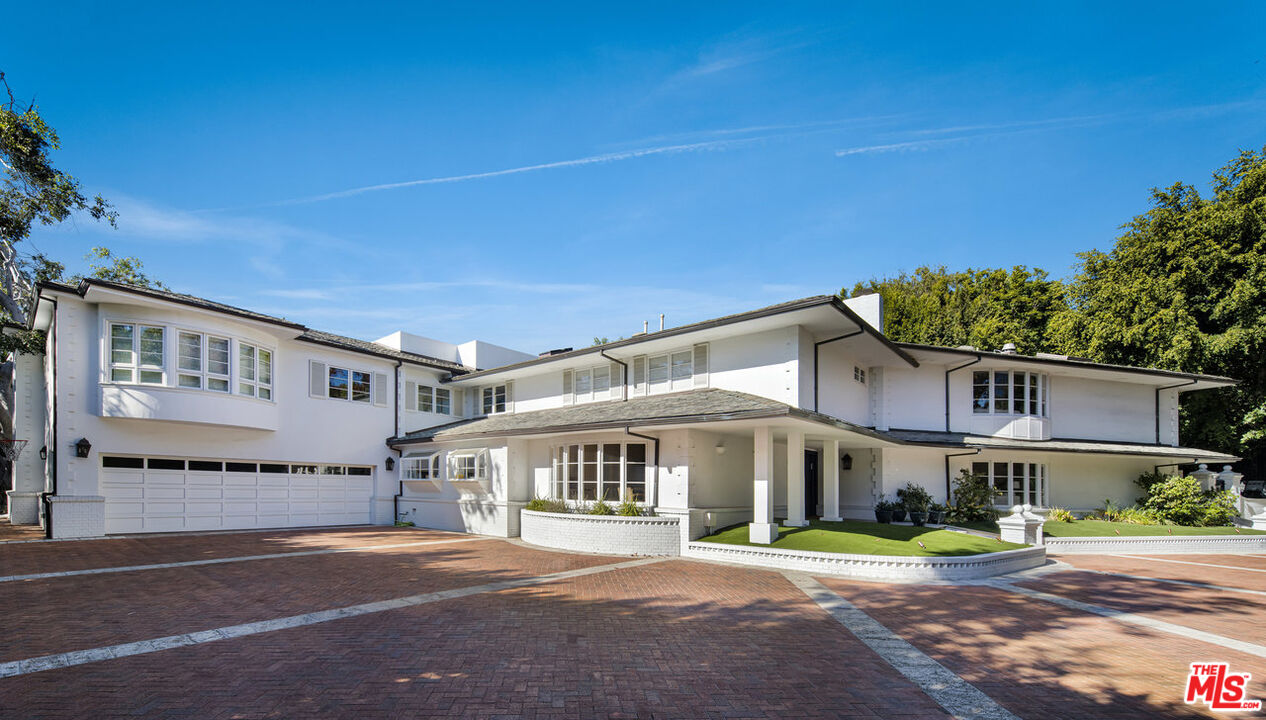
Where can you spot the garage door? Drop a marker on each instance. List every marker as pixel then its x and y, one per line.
pixel 169 494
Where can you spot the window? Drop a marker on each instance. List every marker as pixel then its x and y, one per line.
pixel 353 385
pixel 1004 392
pixel 422 467
pixel 591 383
pixel 202 362
pixel 1015 483
pixel 494 399
pixel 469 465
pixel 859 375
pixel 678 370
pixel 612 472
pixel 136 354
pixel 254 371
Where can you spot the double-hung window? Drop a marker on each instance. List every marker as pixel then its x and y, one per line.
pixel 1009 392
pixel 673 371
pixel 202 362
pixel 137 354
pixel 255 371
pixel 591 383
pixel 435 400
pixel 1015 483
pixel 494 399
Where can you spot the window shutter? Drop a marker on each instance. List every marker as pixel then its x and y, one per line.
pixel 380 389
pixel 568 396
pixel 459 402
pixel 701 365
pixel 509 396
pixel 639 375
pixel 410 395
pixel 318 380
pixel 617 381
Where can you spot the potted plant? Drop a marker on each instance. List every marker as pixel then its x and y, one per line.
pixel 883 511
pixel 915 500
pixel 898 512
pixel 936 514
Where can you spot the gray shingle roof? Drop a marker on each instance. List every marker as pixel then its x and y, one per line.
pixel 363 346
pixel 986 442
pixel 709 405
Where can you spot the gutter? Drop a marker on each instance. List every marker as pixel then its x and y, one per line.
pixel 655 440
pixel 48 511
pixel 1194 461
pixel 947 393
pixel 948 495
pixel 1158 392
pixel 624 393
pixel 817 345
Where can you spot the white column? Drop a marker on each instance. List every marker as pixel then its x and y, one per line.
pixel 763 529
pixel 831 481
pixel 795 479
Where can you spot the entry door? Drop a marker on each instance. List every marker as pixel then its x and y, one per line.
pixel 811 483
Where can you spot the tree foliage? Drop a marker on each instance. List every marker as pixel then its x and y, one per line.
pixel 1183 288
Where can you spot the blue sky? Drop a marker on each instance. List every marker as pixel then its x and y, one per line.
pixel 537 175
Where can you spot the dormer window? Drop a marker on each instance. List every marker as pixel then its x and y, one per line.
pixel 1009 392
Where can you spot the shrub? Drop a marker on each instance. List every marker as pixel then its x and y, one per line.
pixel 1219 508
pixel 1059 514
pixel 1178 500
pixel 915 498
pixel 973 499
pixel 628 508
pixel 601 508
pixel 885 505
pixel 1147 480
pixel 547 505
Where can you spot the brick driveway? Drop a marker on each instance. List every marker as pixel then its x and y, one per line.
pixel 572 636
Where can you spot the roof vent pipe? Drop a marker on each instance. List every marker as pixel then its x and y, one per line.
pixel 1008 349
pixel 646 326
pixel 661 322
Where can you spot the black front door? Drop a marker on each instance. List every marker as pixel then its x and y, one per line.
pixel 810 483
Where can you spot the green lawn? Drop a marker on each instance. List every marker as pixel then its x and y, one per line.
pixel 868 538
pixel 1101 528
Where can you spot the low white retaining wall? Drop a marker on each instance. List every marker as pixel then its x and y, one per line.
pixel 607 534
pixel 874 567
pixel 1158 545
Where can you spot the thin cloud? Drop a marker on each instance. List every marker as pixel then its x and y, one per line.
pixel 898 147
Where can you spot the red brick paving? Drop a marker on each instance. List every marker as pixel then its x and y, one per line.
pixel 13 533
pixel 74 613
pixel 1173 571
pixel 31 558
pixel 672 640
pixel 1041 660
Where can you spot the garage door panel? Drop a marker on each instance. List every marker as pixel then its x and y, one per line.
pixel 168 501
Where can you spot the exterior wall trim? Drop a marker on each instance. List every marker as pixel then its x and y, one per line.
pixel 1158 545
pixel 890 568
pixel 605 534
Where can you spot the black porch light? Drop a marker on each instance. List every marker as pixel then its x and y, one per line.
pixel 846 462
pixel 82 448
pixel 44 453
pixel 391 464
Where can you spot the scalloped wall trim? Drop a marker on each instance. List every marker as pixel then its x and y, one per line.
pixel 606 534
pixel 1158 545
pixel 891 568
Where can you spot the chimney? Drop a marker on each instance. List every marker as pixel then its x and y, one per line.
pixel 1008 349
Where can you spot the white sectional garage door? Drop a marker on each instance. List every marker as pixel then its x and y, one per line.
pixel 167 495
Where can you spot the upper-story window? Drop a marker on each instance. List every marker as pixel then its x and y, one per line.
pixel 495 398
pixel 345 383
pixel 667 372
pixel 202 362
pixel 137 354
pixel 255 371
pixel 603 382
pixel 435 400
pixel 1009 392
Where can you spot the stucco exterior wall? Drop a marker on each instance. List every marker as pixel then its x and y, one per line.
pixel 764 364
pixel 1082 408
pixel 839 395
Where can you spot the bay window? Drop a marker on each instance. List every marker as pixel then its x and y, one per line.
pixel 612 472
pixel 468 465
pixel 1009 392
pixel 137 354
pixel 421 467
pixel 202 362
pixel 255 371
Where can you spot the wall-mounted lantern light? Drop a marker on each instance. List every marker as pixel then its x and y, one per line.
pixel 391 464
pixel 846 462
pixel 82 448
pixel 44 453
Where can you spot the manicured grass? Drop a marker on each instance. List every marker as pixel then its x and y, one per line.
pixel 1097 528
pixel 868 538
pixel 1103 528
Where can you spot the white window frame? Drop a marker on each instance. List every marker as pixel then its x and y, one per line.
pixel 350 373
pixel 488 404
pixel 421 467
pixel 673 371
pixel 588 378
pixel 1031 483
pixel 252 384
pixel 203 373
pixel 133 366
pixel 468 466
pixel 562 485
pixel 1033 403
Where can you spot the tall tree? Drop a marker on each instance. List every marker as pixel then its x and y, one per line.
pixel 1184 288
pixel 986 308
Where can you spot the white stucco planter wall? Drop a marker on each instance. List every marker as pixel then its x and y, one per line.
pixel 611 535
pixel 874 567
pixel 1158 545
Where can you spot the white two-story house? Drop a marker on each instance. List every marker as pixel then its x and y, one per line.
pixel 196 415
